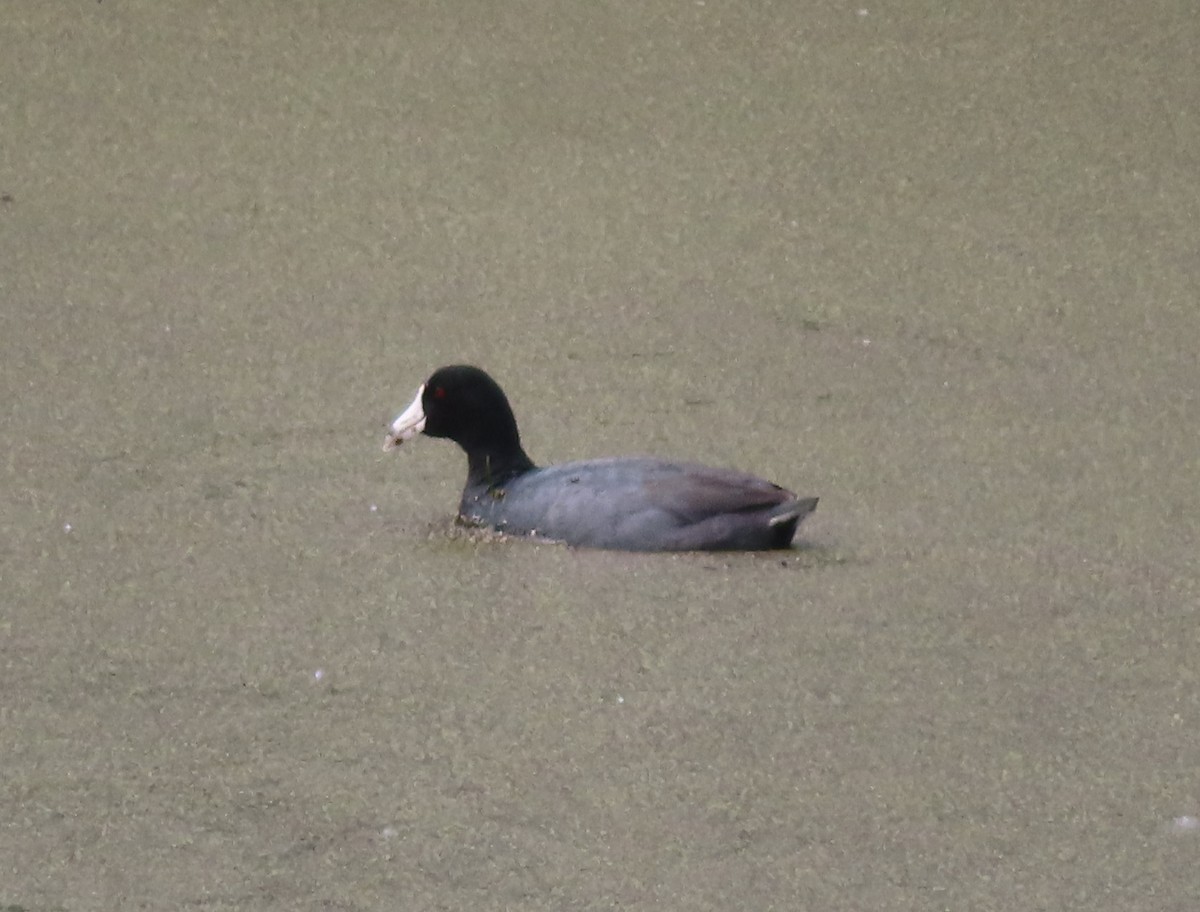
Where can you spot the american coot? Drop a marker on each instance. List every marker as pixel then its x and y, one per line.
pixel 632 504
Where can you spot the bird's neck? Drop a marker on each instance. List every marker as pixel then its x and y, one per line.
pixel 490 468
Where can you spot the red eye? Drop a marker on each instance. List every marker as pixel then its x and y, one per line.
pixel 439 392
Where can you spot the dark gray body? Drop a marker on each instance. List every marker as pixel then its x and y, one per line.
pixel 640 504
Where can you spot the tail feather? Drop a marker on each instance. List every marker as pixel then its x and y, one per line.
pixel 793 511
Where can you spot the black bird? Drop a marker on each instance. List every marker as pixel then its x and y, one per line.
pixel 625 503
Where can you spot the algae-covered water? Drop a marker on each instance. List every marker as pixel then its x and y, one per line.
pixel 936 265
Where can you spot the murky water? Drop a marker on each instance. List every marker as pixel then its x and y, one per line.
pixel 937 268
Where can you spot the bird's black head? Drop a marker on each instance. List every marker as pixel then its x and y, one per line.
pixel 464 404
